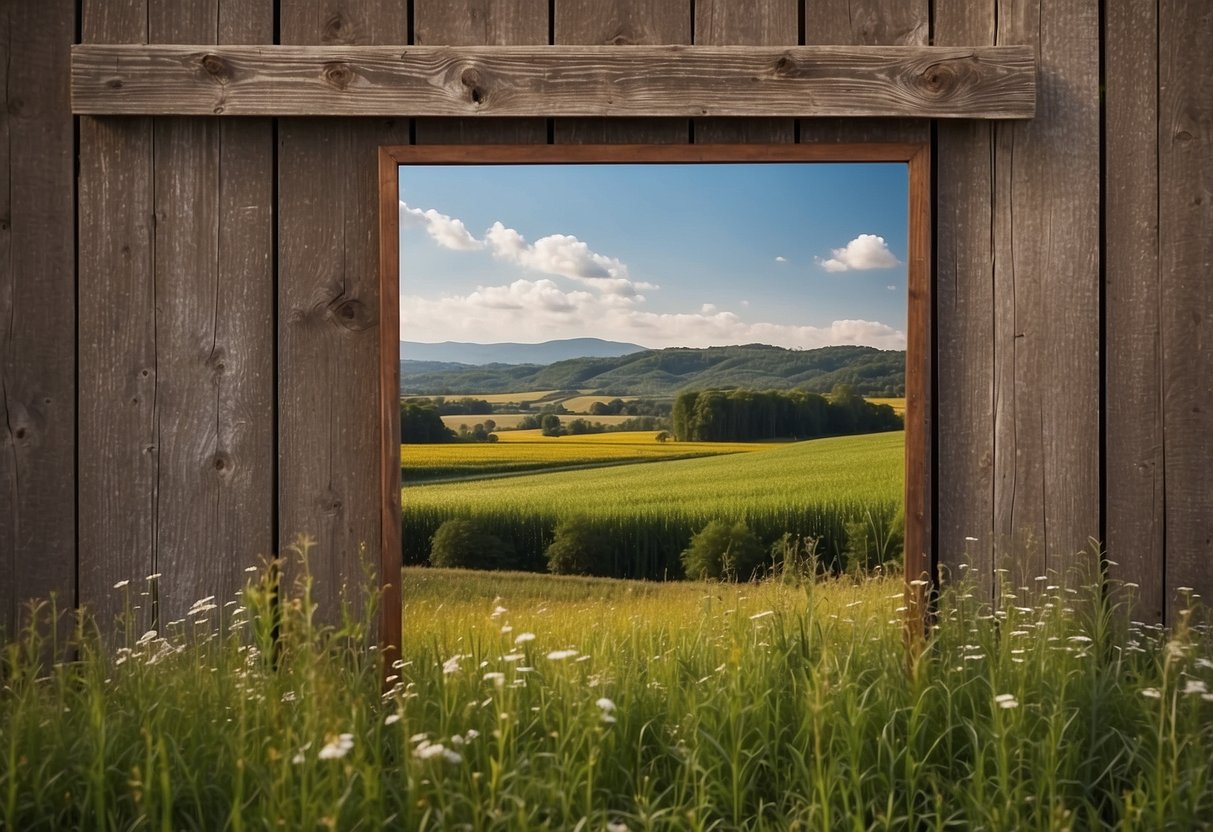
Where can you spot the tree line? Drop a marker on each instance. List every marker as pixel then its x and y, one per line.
pixel 751 415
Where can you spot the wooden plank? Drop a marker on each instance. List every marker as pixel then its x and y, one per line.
pixel 480 23
pixel 214 351
pixel 390 544
pixel 1135 504
pixel 118 433
pixel 1185 138
pixel 495 81
pixel 37 310
pixel 329 317
pixel 724 23
pixel 964 303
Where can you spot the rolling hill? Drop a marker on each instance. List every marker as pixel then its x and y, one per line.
pixel 869 371
pixel 548 352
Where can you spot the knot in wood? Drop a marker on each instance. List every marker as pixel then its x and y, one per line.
pixel 784 65
pixel 941 79
pixel 221 462
pixel 470 78
pixel 334 30
pixel 350 314
pixel 338 74
pixel 216 67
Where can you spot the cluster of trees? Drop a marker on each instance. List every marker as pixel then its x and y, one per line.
pixel 749 415
pixel 551 425
pixel 421 424
pixel 722 550
pixel 637 407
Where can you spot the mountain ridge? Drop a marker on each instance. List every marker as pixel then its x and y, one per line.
pixel 514 353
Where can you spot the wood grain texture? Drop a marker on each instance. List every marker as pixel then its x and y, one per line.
pixel 329 317
pixel 119 415
pixel 964 281
pixel 724 23
pixel 215 301
pixel 1135 492
pixel 391 620
pixel 495 81
pixel 1185 180
pixel 37 310
pixel 480 23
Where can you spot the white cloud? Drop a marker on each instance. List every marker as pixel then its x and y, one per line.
pixel 542 310
pixel 781 259
pixel 565 256
pixel 867 251
pixel 448 232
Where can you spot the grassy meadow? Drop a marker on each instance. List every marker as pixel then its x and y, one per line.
pixel 649 512
pixel 525 702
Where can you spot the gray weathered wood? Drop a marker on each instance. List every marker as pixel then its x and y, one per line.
pixel 926 82
pixel 480 23
pixel 725 23
pixel 1185 143
pixel 328 313
pixel 37 310
pixel 964 275
pixel 119 414
pixel 622 23
pixel 214 348
pixel 1135 493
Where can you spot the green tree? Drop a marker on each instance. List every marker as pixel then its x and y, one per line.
pixel 550 424
pixel 578 548
pixel 464 544
pixel 721 551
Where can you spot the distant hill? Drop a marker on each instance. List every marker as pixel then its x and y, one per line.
pixel 871 372
pixel 548 352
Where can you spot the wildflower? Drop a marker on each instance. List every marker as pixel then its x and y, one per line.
pixel 146 637
pixel 1151 693
pixel 288 696
pixel 971 539
pixel 391 719
pixel 451 665
pixel 498 679
pixel 121 584
pixel 1081 639
pixel 498 611
pixel 471 734
pixel 762 614
pixel 419 737
pixel 523 638
pixel 431 750
pixel 506 628
pixel 337 748
pixel 152 576
pixel 607 708
pixel 561 655
pixel 1006 701
pixel 512 657
pixel 919 582
pixel 1195 686
pixel 617 826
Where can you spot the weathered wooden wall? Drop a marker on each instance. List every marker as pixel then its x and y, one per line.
pixel 188 377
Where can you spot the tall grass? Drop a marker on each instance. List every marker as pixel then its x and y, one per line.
pixel 649 512
pixel 527 702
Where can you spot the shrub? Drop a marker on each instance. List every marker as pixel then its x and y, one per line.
pixel 464 544
pixel 723 551
pixel 874 541
pixel 578 548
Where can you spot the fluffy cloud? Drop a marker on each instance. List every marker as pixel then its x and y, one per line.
pixel 543 310
pixel 867 251
pixel 448 232
pixel 565 256
pixel 781 259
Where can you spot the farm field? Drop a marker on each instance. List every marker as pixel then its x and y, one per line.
pixel 510 398
pixel 581 404
pixel 509 421
pixel 649 512
pixel 529 450
pixel 898 404
pixel 526 702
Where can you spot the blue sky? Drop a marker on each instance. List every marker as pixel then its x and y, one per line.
pixel 796 255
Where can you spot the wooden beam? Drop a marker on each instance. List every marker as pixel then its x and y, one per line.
pixel 555 81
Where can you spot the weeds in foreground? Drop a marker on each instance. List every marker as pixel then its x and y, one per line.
pixel 528 701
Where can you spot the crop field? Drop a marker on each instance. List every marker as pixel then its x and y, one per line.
pixel 527 702
pixel 898 404
pixel 649 512
pixel 581 404
pixel 529 450
pixel 510 398
pixel 510 421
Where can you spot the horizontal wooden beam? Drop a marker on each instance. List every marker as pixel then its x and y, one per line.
pixel 555 81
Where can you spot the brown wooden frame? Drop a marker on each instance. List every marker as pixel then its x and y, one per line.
pixel 919 494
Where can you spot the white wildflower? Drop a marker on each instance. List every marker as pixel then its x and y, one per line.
pixel 498 679
pixel 617 826
pixel 153 576
pixel 391 719
pixel 523 638
pixel 1195 686
pixel 146 637
pixel 762 614
pixel 471 734
pixel 121 584
pixel 513 657
pixel 561 655
pixel 1006 700
pixel 1151 693
pixel 451 665
pixel 605 704
pixel 337 748
pixel 506 628
pixel 971 539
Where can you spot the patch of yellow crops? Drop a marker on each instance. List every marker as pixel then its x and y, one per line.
pixel 511 420
pixel 506 398
pixel 581 404
pixel 898 404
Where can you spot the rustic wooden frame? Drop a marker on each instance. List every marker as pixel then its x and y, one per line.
pixel 989 82
pixel 919 493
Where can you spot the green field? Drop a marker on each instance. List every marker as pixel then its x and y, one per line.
pixel 531 702
pixel 650 511
pixel 529 450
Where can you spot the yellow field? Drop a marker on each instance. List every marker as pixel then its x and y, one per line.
pixel 898 405
pixel 528 450
pixel 506 398
pixel 508 421
pixel 581 404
